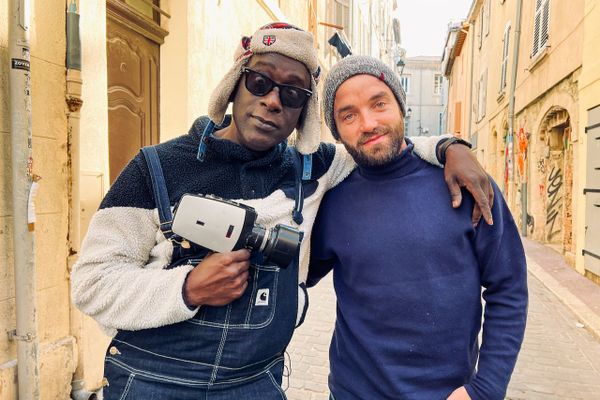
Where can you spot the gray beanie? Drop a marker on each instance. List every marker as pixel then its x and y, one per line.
pixel 357 65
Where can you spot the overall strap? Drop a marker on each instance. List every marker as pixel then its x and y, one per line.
pixel 303 172
pixel 208 130
pixel 159 188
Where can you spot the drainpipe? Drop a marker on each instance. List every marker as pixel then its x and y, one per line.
pixel 471 29
pixel 74 102
pixel 23 190
pixel 511 113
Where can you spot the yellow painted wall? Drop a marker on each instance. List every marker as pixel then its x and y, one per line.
pixel 458 91
pixel 546 81
pixel 551 79
pixel 49 123
pixel 564 53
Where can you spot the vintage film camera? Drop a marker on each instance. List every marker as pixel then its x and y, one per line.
pixel 223 225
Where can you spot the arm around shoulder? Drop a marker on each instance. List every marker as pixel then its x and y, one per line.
pixel 425 147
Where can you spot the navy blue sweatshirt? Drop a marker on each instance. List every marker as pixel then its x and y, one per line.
pixel 408 274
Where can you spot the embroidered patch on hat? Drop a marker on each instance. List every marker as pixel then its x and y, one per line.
pixel 382 77
pixel 269 40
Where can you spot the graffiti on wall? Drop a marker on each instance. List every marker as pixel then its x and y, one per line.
pixel 522 154
pixel 554 203
pixel 508 160
pixel 541 166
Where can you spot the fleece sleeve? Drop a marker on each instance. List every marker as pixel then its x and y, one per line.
pixel 425 147
pixel 119 278
pixel 504 278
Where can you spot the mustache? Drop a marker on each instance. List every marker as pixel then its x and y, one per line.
pixel 366 136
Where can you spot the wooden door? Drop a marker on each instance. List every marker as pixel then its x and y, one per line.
pixel 133 60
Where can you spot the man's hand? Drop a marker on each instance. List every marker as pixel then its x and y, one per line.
pixel 463 170
pixel 459 394
pixel 218 280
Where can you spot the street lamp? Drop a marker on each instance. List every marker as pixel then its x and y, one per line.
pixel 400 64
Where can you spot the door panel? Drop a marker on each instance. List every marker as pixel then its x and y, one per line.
pixel 591 250
pixel 133 82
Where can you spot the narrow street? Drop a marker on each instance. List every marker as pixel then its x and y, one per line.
pixel 560 358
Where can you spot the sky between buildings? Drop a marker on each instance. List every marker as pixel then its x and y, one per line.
pixel 424 24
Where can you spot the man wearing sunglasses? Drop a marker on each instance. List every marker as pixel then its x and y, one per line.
pixel 190 324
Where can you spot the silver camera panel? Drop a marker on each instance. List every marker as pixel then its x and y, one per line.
pixel 214 224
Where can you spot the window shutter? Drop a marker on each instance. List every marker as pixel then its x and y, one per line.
pixel 457 116
pixel 484 103
pixel 505 49
pixel 481 18
pixel 488 7
pixel 545 23
pixel 536 27
pixel 478 102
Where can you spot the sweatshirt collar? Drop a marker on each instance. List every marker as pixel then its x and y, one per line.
pixel 227 150
pixel 405 163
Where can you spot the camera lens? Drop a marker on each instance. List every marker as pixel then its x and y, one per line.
pixel 256 239
pixel 282 245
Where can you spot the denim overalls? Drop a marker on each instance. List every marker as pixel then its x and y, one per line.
pixel 230 352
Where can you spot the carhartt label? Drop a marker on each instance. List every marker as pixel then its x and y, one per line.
pixel 262 297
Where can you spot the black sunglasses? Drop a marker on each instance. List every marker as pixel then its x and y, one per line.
pixel 260 85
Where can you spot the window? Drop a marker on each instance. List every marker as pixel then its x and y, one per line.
pixel 405 82
pixel 457 117
pixel 486 14
pixel 342 15
pixel 540 26
pixel 440 123
pixel 505 47
pixel 437 84
pixel 480 33
pixel 482 95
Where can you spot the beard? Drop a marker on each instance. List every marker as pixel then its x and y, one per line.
pixel 381 153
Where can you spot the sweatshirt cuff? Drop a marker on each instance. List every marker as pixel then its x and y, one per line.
pixel 188 307
pixel 477 392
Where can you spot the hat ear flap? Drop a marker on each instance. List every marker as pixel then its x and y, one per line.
pixel 225 91
pixel 309 124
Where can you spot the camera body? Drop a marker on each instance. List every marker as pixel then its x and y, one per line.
pixel 223 225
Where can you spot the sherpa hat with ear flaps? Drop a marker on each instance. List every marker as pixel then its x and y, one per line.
pixel 287 40
pixel 357 65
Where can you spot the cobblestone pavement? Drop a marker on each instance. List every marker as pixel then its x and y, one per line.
pixel 559 360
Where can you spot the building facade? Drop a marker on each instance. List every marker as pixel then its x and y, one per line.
pixel 425 88
pixel 515 71
pixel 107 77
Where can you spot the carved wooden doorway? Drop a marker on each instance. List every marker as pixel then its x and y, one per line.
pixel 133 38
